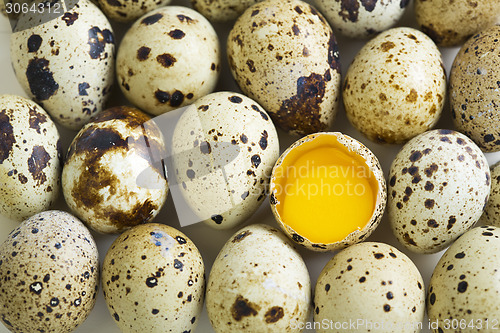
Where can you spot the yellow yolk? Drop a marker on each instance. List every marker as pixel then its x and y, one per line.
pixel 324 191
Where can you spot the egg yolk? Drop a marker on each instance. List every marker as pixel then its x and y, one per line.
pixel 324 191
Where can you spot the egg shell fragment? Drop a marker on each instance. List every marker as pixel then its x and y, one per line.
pixel 491 214
pixel 475 89
pixel 65 64
pixel 439 183
pixel 224 148
pixel 104 165
pixel 222 10
pixel 362 18
pixel 381 197
pixel 258 283
pixel 159 67
pixel 127 10
pixel 372 282
pixel 396 86
pixel 464 286
pixel 153 280
pixel 49 268
pixel 30 158
pixel 284 55
pixel 452 22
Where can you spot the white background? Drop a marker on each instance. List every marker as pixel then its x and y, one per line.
pixel 210 241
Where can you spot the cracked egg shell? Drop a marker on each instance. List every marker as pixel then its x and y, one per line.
pixel 66 64
pixel 153 280
pixel 395 87
pixel 129 11
pixel 159 66
pixel 222 10
pixel 452 22
pixel 224 148
pixel 109 178
pixel 475 89
pixel 30 158
pixel 362 18
pixel 347 149
pixel 49 268
pixel 373 281
pixel 491 214
pixel 439 183
pixel 464 286
pixel 258 283
pixel 284 55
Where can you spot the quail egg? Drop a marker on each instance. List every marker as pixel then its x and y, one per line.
pixel 153 280
pixel 439 183
pixel 491 214
pixel 30 158
pixel 159 62
pixel 475 89
pixel 49 268
pixel 284 55
pixel 395 87
pixel 66 64
pixel 258 283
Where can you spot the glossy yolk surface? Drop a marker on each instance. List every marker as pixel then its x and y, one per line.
pixel 324 191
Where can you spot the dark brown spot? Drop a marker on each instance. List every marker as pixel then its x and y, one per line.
pixel 166 60
pixel 415 156
pixel 429 203
pixel 451 222
pixel 177 34
pixel 462 286
pixel 274 314
pixel 36 118
pixel 251 66
pixel 378 255
pixel 298 10
pixel 255 12
pixel 185 19
pixel 82 89
pixel 217 219
pixel 432 298
pixel 34 43
pixel 386 46
pixel 412 96
pixel 392 181
pixel 295 237
pixel 41 79
pixel 235 99
pixel 408 240
pixel 263 140
pixel 152 19
pixel 460 255
pixel 70 18
pixel 22 178
pixel 429 186
pixel 432 223
pixel 243 138
pixel 349 10
pixel 296 30
pixel 38 161
pixel 239 237
pixel 301 113
pixel 143 53
pixel 97 40
pixel 256 161
pixel 404 3
pixel 162 96
pixel 369 4
pixel 243 308
pixel 431 169
pixel 114 3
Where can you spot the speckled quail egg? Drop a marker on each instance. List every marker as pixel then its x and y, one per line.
pixel 159 66
pixel 371 285
pixel 361 18
pixel 395 87
pixel 30 158
pixel 129 10
pixel 110 177
pixel 491 214
pixel 439 183
pixel 153 280
pixel 451 22
pixel 67 63
pixel 222 10
pixel 284 55
pixel 328 191
pixel 475 89
pixel 224 148
pixel 464 288
pixel 258 283
pixel 49 268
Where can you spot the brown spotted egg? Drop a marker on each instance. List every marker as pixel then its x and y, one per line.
pixel 224 148
pixel 451 22
pixel 49 268
pixel 395 87
pixel 30 158
pixel 475 89
pixel 110 177
pixel 371 282
pixel 491 214
pixel 65 64
pixel 222 10
pixel 153 280
pixel 128 11
pixel 439 183
pixel 159 66
pixel 258 283
pixel 362 18
pixel 284 55
pixel 464 288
